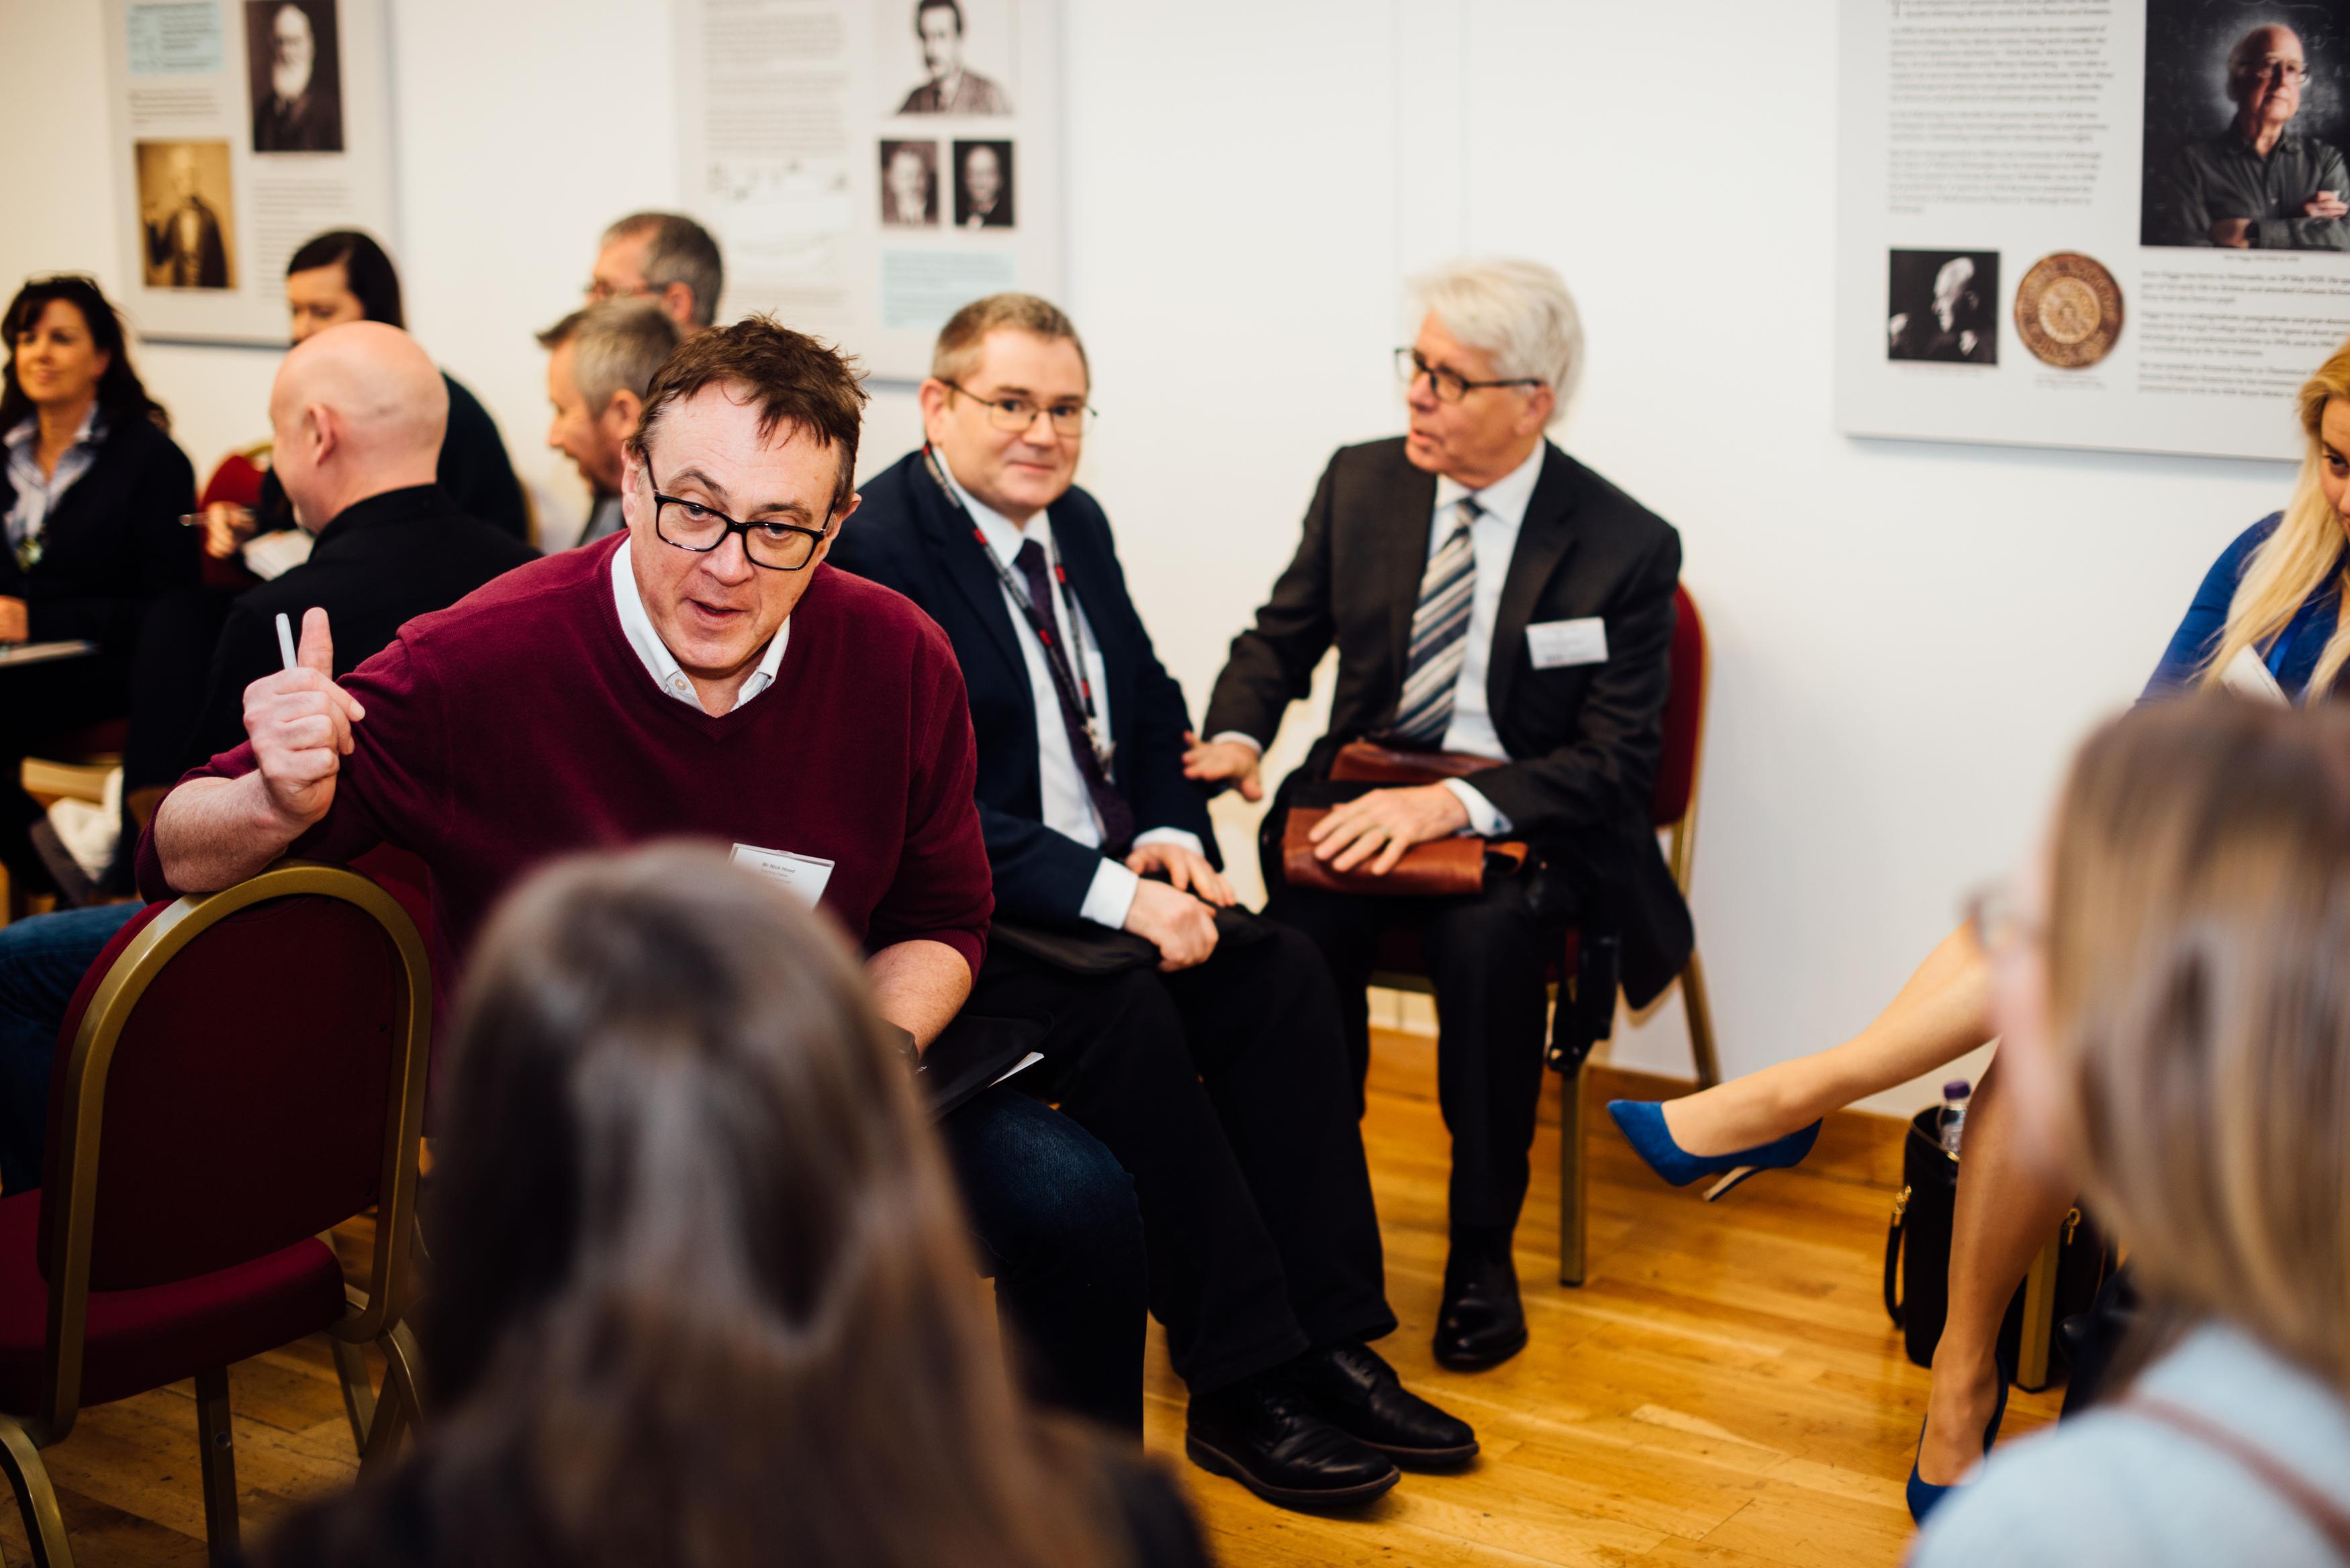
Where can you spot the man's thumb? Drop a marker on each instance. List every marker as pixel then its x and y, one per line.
pixel 318 644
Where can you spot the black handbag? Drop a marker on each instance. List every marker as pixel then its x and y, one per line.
pixel 1917 1258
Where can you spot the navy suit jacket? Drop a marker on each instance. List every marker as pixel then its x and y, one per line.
pixel 910 536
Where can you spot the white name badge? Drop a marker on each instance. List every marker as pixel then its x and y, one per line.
pixel 1554 643
pixel 805 875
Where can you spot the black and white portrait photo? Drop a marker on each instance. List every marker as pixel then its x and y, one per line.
pixel 983 190
pixel 186 214
pixel 960 51
pixel 296 72
pixel 909 184
pixel 2246 118
pixel 1943 305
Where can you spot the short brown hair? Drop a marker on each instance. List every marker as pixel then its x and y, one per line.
pixel 2198 969
pixel 957 353
pixel 794 379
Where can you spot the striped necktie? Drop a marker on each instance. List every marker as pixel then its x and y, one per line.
pixel 1439 634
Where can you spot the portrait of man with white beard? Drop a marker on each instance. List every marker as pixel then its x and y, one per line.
pixel 298 103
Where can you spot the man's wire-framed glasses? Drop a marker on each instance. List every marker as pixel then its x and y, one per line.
pixel 690 526
pixel 1020 414
pixel 1450 386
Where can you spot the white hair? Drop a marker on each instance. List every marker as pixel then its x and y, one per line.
pixel 1518 311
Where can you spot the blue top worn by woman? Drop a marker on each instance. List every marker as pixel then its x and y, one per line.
pixel 2290 658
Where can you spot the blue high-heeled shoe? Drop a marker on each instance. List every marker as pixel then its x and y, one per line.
pixel 1924 1495
pixel 1642 1123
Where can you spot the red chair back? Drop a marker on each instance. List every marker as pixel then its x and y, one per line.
pixel 236 480
pixel 238 1058
pixel 1684 716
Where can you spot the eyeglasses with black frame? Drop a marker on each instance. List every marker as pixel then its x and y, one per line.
pixel 690 525
pixel 599 291
pixel 1020 414
pixel 1451 386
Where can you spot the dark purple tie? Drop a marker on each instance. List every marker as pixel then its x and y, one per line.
pixel 1117 815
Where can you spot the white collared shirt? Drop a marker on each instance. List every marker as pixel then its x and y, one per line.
pixel 1068 804
pixel 1493 539
pixel 660 662
pixel 37 493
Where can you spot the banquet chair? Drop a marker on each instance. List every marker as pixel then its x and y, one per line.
pixel 1672 808
pixel 238 1073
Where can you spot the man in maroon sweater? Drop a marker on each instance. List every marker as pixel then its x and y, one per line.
pixel 705 674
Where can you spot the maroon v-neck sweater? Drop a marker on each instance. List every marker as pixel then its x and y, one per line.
pixel 518 725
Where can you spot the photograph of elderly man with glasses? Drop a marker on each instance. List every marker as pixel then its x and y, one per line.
pixel 2259 183
pixel 1492 598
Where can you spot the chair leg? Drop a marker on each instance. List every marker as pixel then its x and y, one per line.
pixel 217 1448
pixel 1698 1009
pixel 403 1403
pixel 36 1500
pixel 358 1393
pixel 1570 1178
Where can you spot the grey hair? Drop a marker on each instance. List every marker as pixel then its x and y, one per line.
pixel 1518 311
pixel 681 251
pixel 2243 58
pixel 617 345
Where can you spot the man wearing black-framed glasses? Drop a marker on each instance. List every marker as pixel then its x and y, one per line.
pixel 705 674
pixel 1201 1044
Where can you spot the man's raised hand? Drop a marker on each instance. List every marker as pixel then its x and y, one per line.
pixel 300 723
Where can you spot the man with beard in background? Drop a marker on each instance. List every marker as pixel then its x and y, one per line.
pixel 302 111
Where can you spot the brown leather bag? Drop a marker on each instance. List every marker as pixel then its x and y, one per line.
pixel 1448 868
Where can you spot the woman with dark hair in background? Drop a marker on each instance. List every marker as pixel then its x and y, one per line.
pixel 92 491
pixel 344 276
pixel 701 1292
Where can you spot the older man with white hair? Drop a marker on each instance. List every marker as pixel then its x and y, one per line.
pixel 1502 612
pixel 2259 184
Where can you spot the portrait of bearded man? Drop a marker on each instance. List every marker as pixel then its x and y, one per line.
pixel 298 103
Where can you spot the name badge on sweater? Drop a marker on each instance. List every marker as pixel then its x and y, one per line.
pixel 1555 643
pixel 805 875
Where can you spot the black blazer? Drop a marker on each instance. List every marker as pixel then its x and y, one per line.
pixel 1587 736
pixel 381 563
pixel 113 543
pixel 910 536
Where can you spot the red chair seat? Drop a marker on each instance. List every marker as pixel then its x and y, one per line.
pixel 143 1339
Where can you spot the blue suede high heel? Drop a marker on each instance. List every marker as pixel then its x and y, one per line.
pixel 1642 1123
pixel 1924 1495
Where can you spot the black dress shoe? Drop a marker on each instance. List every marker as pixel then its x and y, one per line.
pixel 1482 1322
pixel 1266 1436
pixel 1360 1395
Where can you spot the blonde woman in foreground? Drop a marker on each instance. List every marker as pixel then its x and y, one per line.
pixel 2172 993
pixel 2265 622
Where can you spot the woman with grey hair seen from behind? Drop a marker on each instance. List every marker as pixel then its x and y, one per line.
pixel 2172 983
pixel 702 1292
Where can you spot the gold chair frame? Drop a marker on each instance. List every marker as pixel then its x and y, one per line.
pixel 1680 848
pixel 371 1314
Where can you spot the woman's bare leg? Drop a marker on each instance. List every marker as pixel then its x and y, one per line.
pixel 1942 1013
pixel 2009 1203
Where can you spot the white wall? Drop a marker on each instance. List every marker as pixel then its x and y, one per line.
pixel 1907 637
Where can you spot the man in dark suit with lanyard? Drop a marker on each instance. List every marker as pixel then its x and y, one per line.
pixel 1203 1045
pixel 1493 599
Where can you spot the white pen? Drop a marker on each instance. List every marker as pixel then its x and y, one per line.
pixel 286 640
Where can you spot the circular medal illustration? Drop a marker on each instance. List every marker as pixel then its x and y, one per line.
pixel 2068 310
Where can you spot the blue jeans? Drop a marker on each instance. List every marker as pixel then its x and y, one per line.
pixel 1059 1232
pixel 42 960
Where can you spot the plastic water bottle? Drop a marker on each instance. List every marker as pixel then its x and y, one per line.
pixel 1954 1113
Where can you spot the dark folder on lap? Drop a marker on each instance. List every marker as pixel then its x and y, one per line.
pixel 973 1053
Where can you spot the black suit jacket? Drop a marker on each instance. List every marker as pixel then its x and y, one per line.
pixel 381 563
pixel 113 543
pixel 909 535
pixel 1586 737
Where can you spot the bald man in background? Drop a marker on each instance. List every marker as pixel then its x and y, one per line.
pixel 357 412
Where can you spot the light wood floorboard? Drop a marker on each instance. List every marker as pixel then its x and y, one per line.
pixel 1724 1392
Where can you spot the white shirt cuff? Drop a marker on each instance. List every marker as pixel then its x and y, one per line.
pixel 1111 895
pixel 1251 742
pixel 1483 820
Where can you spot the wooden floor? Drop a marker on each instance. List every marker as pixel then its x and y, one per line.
pixel 1724 1391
